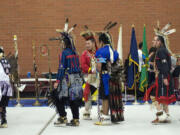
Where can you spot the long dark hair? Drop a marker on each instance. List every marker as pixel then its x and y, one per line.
pixel 160 38
pixel 104 39
pixel 67 42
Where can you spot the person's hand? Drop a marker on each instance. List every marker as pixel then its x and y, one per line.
pixel 55 85
pixel 166 82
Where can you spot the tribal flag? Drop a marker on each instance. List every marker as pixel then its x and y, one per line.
pixel 133 61
pixel 144 71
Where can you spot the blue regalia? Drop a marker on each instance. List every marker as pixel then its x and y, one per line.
pixel 103 55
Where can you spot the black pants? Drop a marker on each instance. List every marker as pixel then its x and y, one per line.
pixel 74 105
pixel 4 101
pixel 3 114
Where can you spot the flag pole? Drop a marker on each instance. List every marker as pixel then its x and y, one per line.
pixel 146 92
pixel 147 80
pixel 135 92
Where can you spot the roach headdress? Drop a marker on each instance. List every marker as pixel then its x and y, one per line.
pixel 88 35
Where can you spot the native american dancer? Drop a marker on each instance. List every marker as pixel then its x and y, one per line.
pixel 68 87
pixel 110 69
pixel 88 67
pixel 163 86
pixel 5 88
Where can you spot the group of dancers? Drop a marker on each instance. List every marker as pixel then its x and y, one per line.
pixel 103 70
pixel 100 69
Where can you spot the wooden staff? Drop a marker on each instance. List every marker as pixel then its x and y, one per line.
pixel 16 75
pixel 35 75
pixel 49 66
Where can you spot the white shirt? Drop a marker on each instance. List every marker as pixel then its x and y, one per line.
pixel 3 75
pixel 140 59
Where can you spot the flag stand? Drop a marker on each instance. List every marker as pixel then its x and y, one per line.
pixel 18 99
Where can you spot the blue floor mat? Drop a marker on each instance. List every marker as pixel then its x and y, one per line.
pixel 44 102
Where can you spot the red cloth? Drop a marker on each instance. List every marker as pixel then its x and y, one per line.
pixel 147 93
pixel 85 61
pixel 161 99
pixel 58 81
pixel 85 65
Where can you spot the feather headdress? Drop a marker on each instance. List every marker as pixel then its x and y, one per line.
pixel 164 32
pixel 106 33
pixel 66 35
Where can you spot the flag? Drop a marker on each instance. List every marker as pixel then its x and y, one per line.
pixel 119 46
pixel 144 70
pixel 133 61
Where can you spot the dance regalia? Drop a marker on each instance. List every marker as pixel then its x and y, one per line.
pixel 70 82
pixel 110 87
pixel 68 87
pixel 163 94
pixel 86 61
pixel 5 86
pixel 88 65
